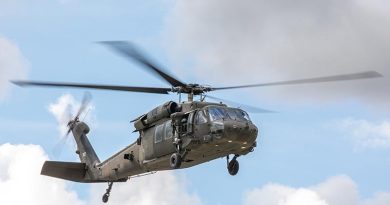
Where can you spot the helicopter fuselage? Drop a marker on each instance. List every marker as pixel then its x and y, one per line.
pixel 206 131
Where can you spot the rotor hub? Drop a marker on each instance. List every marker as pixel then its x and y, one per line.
pixel 194 89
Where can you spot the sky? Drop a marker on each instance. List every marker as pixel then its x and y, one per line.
pixel 327 144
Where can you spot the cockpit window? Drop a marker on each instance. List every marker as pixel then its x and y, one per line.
pixel 237 114
pixel 233 114
pixel 217 113
pixel 245 115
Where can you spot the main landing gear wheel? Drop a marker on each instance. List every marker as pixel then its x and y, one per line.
pixel 233 166
pixel 107 194
pixel 175 160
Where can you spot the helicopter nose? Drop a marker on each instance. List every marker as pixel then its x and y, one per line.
pixel 240 131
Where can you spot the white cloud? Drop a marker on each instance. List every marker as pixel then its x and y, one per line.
pixel 379 199
pixel 366 133
pixel 339 190
pixel 21 182
pixel 12 65
pixel 66 108
pixel 239 42
pixel 161 188
pixel 281 195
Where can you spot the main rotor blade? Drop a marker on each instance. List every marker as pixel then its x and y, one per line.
pixel 353 76
pixel 95 86
pixel 131 51
pixel 247 108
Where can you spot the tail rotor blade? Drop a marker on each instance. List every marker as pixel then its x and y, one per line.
pixel 84 104
pixel 67 114
pixel 57 149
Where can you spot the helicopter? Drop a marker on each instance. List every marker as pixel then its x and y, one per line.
pixel 174 135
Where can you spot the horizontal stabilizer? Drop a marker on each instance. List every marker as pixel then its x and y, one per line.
pixel 72 171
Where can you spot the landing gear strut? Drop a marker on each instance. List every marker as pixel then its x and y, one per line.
pixel 179 126
pixel 107 194
pixel 233 166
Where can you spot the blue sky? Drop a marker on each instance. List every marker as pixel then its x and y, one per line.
pixel 323 136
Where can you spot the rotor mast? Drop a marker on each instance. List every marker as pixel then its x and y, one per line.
pixel 190 97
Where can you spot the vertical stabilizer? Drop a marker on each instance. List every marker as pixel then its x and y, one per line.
pixel 85 150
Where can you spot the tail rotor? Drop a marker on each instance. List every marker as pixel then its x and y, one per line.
pixel 68 116
pixel 84 105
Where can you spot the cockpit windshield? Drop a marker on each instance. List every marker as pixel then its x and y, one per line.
pixel 237 114
pixel 217 113
pixel 220 113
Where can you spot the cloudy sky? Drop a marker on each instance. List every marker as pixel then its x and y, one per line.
pixel 328 144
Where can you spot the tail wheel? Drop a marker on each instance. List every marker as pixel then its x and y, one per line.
pixel 175 161
pixel 233 167
pixel 105 198
pixel 107 194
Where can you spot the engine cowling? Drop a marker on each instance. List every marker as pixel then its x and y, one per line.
pixel 158 113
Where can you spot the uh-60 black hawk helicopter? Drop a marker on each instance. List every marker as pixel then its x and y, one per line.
pixel 172 135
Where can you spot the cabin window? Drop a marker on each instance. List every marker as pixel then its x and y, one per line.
pixel 168 130
pixel 190 122
pixel 158 133
pixel 200 117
